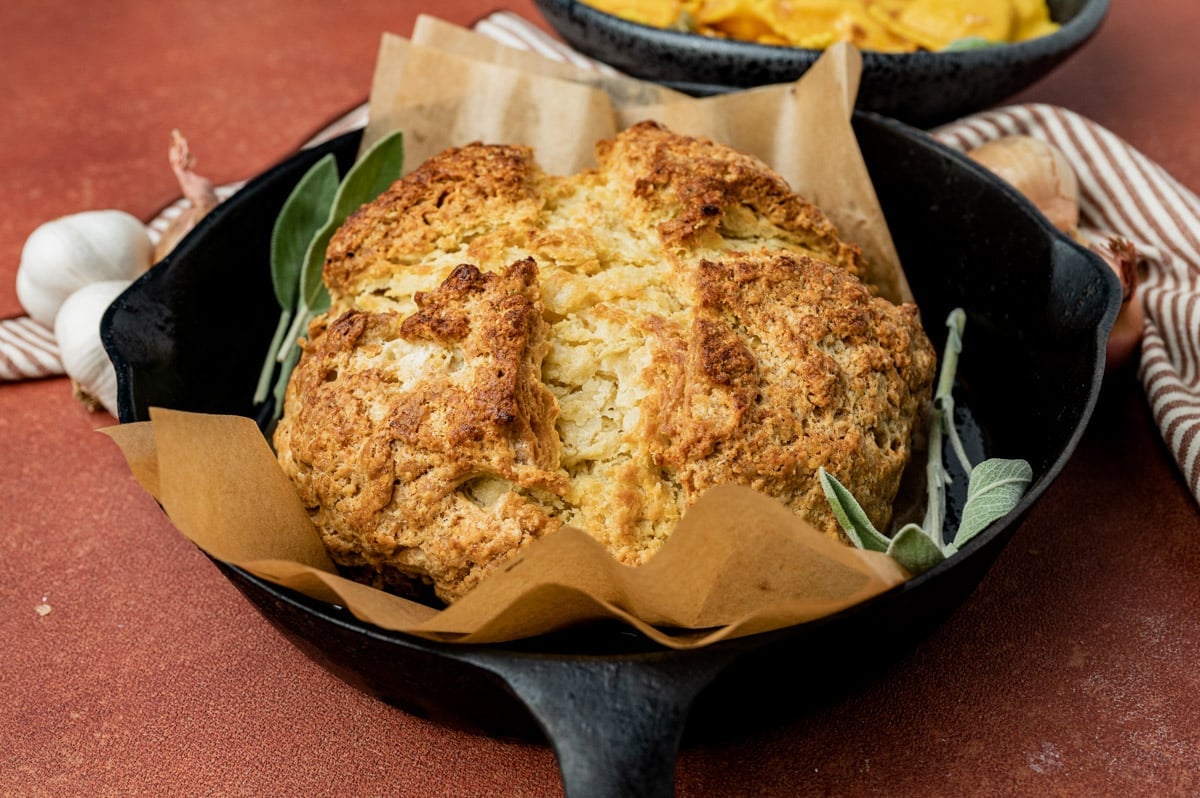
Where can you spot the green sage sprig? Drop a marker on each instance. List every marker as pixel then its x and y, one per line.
pixel 304 213
pixel 994 486
pixel 315 209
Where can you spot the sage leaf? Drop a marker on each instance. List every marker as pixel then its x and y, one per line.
pixel 367 179
pixel 370 176
pixel 305 211
pixel 850 514
pixel 915 550
pixel 995 487
pixel 314 296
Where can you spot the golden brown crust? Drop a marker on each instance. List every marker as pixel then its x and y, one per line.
pixel 454 196
pixel 508 352
pixel 408 411
pixel 792 365
pixel 702 195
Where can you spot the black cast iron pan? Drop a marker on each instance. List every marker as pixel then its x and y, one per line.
pixel 191 334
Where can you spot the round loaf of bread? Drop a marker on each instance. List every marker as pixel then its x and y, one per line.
pixel 509 351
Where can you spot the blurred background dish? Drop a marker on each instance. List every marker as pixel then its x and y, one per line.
pixel 921 88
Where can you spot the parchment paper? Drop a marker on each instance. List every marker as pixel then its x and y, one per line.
pixel 738 562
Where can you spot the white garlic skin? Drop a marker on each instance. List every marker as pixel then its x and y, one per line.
pixel 65 254
pixel 77 328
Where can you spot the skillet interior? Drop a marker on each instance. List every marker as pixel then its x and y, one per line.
pixel 1039 309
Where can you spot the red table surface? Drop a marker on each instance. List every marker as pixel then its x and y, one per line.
pixel 1071 670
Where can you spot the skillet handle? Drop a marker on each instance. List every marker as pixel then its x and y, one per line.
pixel 615 725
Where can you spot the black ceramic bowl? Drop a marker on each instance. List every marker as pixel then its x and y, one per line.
pixel 613 705
pixel 923 89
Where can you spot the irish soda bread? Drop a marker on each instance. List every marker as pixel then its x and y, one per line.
pixel 509 351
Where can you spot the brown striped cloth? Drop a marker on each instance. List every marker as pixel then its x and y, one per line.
pixel 1123 193
pixel 27 350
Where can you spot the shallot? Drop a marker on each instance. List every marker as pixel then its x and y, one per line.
pixel 1122 257
pixel 1037 169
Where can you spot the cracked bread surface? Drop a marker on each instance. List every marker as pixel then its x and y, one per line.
pixel 508 351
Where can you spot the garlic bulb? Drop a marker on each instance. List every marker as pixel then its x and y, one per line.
pixel 1038 170
pixel 77 328
pixel 63 255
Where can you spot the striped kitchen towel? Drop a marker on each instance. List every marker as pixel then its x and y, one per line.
pixel 27 350
pixel 1123 193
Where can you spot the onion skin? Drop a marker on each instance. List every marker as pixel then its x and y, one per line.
pixel 1038 170
pixel 1124 342
pixel 197 190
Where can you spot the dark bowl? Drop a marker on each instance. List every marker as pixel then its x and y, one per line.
pixel 614 705
pixel 922 89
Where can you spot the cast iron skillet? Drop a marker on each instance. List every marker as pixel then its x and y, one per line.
pixel 191 334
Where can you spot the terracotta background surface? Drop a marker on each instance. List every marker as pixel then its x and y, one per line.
pixel 1070 671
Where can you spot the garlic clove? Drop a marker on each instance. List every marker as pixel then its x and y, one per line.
pixel 1037 169
pixel 65 254
pixel 77 328
pixel 40 302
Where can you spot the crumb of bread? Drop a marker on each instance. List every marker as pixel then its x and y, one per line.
pixel 509 351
